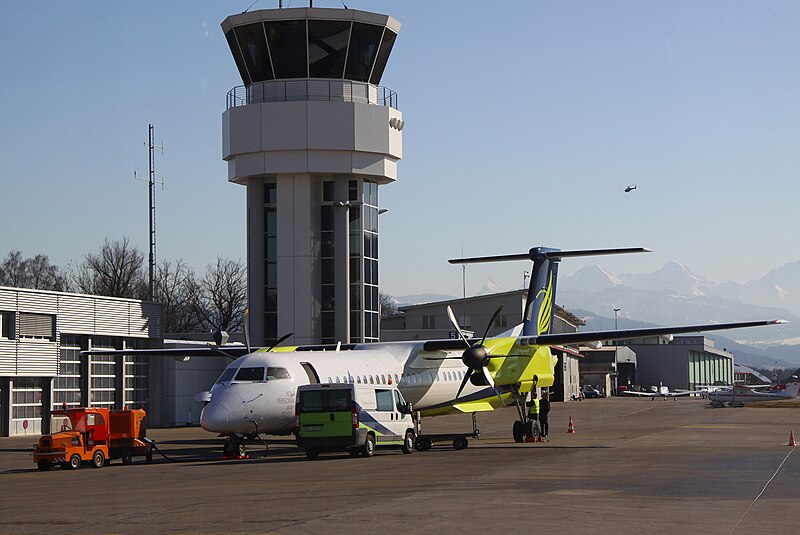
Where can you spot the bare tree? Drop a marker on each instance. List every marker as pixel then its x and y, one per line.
pixel 175 288
pixel 388 304
pixel 221 295
pixel 36 273
pixel 116 271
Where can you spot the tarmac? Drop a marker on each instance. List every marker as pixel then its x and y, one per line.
pixel 631 466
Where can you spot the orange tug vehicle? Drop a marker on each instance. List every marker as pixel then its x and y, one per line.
pixel 93 434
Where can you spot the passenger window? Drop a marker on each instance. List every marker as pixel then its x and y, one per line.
pixel 227 375
pixel 396 379
pixel 383 379
pixel 384 399
pixel 398 402
pixel 337 378
pixel 275 373
pixel 250 374
pixel 371 380
pixel 358 379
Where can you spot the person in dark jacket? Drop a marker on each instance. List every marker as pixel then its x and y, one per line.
pixel 544 410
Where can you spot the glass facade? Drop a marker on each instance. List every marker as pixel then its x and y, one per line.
pixel 67 385
pixel 327 265
pixel 271 262
pixel 333 49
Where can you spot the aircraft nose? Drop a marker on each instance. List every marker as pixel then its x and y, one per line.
pixel 215 417
pixel 224 413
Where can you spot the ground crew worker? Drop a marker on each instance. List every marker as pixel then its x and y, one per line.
pixel 544 410
pixel 533 408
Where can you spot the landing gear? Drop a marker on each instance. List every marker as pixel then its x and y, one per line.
pixel 234 448
pixel 521 426
pixel 519 431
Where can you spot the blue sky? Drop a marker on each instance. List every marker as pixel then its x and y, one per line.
pixel 524 122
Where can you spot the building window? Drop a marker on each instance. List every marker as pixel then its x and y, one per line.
pixel 7 325
pixel 429 322
pixel 270 262
pixel 37 326
pixel 26 399
pixel 67 385
pixel 327 265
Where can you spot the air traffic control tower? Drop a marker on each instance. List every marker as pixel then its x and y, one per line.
pixel 312 135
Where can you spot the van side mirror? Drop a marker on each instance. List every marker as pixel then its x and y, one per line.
pixel 408 409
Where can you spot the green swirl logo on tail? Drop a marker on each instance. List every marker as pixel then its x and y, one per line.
pixel 546 308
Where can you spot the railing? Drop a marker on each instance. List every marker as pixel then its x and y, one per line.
pixel 306 90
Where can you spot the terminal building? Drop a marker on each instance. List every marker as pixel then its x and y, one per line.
pixel 312 136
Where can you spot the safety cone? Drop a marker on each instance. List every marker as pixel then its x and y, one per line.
pixel 791 438
pixel 571 428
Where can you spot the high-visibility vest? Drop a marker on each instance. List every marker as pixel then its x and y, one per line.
pixel 533 409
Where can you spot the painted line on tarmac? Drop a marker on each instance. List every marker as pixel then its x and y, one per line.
pixel 637 412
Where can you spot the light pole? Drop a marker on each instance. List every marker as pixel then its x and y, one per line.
pixel 616 347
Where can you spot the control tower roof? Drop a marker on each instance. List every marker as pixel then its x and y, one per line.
pixel 281 44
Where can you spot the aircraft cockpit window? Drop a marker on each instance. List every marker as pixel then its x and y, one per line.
pixel 250 374
pixel 275 373
pixel 227 375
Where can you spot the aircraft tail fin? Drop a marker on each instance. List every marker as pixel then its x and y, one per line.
pixel 539 308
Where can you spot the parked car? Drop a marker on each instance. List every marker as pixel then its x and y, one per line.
pixel 591 392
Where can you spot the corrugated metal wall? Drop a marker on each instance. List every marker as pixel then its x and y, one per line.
pixel 75 314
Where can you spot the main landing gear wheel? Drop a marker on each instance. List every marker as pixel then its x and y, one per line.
pixel 519 431
pixel 531 429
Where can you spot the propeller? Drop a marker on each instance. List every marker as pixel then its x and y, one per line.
pixel 475 357
pixel 281 339
pixel 246 321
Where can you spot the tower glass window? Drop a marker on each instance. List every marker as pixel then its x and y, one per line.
pixel 253 46
pixel 271 262
pixel 287 44
pixel 364 43
pixel 327 47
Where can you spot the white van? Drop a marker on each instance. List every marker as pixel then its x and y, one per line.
pixel 353 418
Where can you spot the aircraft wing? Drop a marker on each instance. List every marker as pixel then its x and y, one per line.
pixel 647 394
pixel 234 351
pixel 626 334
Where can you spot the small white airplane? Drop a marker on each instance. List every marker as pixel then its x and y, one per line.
pixel 256 393
pixel 663 391
pixel 738 395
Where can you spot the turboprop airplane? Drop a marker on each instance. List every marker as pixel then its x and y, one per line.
pixel 664 392
pixel 738 395
pixel 256 392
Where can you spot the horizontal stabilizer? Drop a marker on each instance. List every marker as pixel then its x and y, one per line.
pixel 600 336
pixel 553 254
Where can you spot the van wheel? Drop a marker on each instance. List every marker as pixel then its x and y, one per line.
pixel 98 459
pixel 408 442
pixel 74 462
pixel 44 466
pixel 312 453
pixel 368 449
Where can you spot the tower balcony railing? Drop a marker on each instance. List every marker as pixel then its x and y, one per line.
pixel 311 89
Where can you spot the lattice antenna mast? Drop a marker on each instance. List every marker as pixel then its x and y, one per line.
pixel 151 182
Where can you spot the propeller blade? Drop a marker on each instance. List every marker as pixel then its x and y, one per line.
pixel 281 339
pixel 246 321
pixel 464 382
pixel 455 324
pixel 489 380
pixel 491 322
